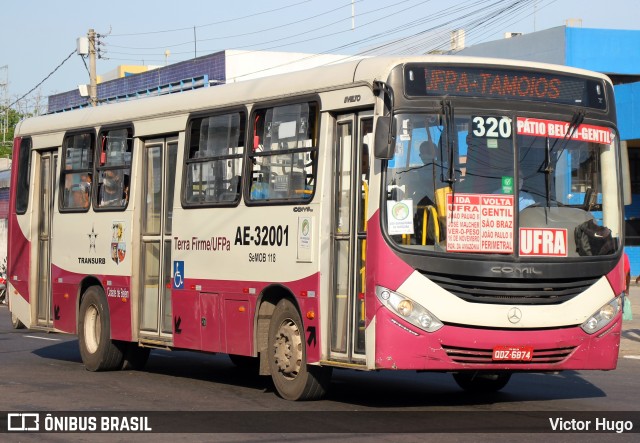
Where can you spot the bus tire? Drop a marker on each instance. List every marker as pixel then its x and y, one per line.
pixel 15 323
pixel 98 351
pixel 135 357
pixel 292 377
pixel 480 382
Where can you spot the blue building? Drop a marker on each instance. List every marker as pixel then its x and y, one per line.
pixel 615 53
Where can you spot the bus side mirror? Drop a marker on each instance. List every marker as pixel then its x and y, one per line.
pixel 384 148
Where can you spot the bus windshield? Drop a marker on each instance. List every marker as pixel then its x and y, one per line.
pixel 481 182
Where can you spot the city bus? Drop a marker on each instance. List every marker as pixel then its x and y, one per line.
pixel 432 213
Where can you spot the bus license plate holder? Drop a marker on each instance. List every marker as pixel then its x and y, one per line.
pixel 512 353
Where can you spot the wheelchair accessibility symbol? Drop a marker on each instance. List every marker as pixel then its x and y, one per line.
pixel 178 275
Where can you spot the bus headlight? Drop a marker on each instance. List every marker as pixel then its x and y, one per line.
pixel 602 317
pixel 405 308
pixel 408 309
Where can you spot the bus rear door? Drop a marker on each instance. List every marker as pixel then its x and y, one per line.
pixel 48 165
pixel 159 172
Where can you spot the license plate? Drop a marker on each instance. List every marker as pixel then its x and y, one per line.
pixel 513 353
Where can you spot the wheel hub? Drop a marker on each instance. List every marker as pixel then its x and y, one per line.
pixel 92 329
pixel 288 349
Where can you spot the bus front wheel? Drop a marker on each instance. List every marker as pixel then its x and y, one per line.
pixel 15 323
pixel 292 377
pixel 482 382
pixel 98 351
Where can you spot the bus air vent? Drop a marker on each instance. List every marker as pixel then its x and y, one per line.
pixel 512 291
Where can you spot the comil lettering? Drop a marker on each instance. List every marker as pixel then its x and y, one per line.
pixel 543 242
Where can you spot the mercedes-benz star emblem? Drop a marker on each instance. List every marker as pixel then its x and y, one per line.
pixel 514 315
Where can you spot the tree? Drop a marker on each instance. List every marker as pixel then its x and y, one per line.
pixel 6 139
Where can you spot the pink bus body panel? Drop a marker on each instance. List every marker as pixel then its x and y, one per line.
pixel 398 348
pixel 220 317
pixel 400 345
pixel 19 264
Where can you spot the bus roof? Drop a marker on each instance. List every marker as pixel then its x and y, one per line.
pixel 339 75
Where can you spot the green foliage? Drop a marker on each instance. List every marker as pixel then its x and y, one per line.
pixel 14 118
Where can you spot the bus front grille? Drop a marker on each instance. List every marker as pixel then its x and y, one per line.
pixel 484 356
pixel 512 291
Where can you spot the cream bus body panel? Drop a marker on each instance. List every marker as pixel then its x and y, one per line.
pixel 267 88
pixel 451 309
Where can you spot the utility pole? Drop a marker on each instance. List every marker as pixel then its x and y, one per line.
pixel 93 86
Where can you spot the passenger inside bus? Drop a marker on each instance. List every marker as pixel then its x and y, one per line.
pixel 113 191
pixel 259 188
pixel 419 181
pixel 79 197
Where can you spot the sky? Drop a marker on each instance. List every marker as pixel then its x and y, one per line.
pixel 37 36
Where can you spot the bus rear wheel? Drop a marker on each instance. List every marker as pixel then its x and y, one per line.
pixel 482 382
pixel 98 351
pixel 292 377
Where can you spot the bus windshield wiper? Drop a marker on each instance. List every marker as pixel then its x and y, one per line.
pixel 447 112
pixel 549 166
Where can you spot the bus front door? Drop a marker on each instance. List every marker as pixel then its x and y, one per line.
pixel 48 165
pixel 159 172
pixel 351 168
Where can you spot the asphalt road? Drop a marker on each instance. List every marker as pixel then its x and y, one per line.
pixel 43 372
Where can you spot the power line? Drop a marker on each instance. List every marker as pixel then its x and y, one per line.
pixel 258 31
pixel 539 8
pixel 379 35
pixel 422 21
pixel 44 79
pixel 335 33
pixel 214 23
pixel 490 18
pixel 441 40
pixel 401 28
pixel 296 34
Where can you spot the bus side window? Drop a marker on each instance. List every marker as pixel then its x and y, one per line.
pixel 24 172
pixel 214 162
pixel 114 168
pixel 77 172
pixel 285 151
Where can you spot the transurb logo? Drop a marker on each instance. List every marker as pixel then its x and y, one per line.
pixel 92 239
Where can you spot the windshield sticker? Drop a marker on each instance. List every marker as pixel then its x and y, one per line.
pixel 558 129
pixel 543 242
pixel 400 220
pixel 480 223
pixel 507 184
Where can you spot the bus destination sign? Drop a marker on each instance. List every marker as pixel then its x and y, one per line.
pixel 430 80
